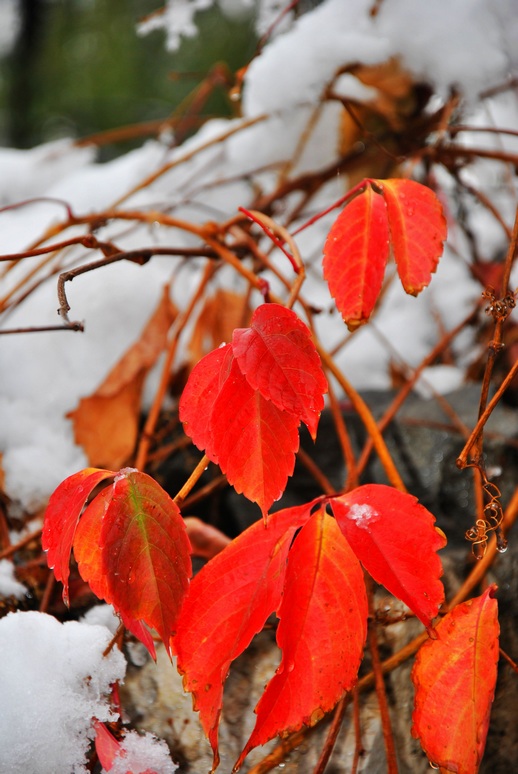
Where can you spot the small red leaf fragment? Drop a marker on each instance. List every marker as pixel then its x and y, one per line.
pixel 322 630
pixel 417 231
pixel 106 746
pixel 200 393
pixel 454 677
pixel 278 358
pixel 62 516
pixel 355 256
pixel 254 441
pixel 394 538
pixel 227 604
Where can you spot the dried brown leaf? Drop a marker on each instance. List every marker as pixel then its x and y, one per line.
pixel 106 423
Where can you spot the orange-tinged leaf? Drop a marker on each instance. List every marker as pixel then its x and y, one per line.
pixel 355 256
pixel 62 516
pixel 106 423
pixel 146 553
pixel 221 313
pixel 394 538
pixel 278 358
pixel 417 231
pixel 454 678
pixel 88 554
pixel 139 559
pixel 322 630
pixel 227 604
pixel 253 440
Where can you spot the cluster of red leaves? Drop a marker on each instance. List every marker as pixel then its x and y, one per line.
pixel 400 215
pixel 243 404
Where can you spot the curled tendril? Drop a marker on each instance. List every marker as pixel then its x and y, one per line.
pixel 492 521
pixel 499 308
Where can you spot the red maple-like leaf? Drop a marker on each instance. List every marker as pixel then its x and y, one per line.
pixel 197 402
pixel 227 604
pixel 130 544
pixel 322 630
pixel 402 212
pixel 91 567
pixel 278 358
pixel 355 256
pixel 417 231
pixel 454 677
pixel 244 410
pixel 255 442
pixel 394 538
pixel 62 516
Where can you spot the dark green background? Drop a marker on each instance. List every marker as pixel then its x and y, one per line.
pixel 79 67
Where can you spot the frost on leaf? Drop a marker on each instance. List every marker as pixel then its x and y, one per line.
pixel 395 539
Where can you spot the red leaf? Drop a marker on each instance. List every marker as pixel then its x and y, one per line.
pixel 146 553
pixel 322 630
pixel 227 604
pixel 417 231
pixel 394 538
pixel 278 358
pixel 90 564
pixel 61 518
pixel 202 389
pixel 454 678
pixel 106 746
pixel 255 442
pixel 355 256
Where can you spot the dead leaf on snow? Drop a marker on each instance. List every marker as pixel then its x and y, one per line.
pixel 106 423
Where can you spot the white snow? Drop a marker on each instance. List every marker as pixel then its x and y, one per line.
pixel 9 586
pixel 140 754
pixel 363 515
pixel 50 693
pixel 53 681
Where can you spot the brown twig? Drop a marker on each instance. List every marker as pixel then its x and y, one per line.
pixel 154 412
pixel 332 736
pixel 372 638
pixel 476 438
pixel 358 744
pixel 14 547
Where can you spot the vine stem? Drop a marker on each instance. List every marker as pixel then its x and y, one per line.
pixel 372 638
pixel 368 420
pixel 191 481
pixel 476 438
pixel 152 418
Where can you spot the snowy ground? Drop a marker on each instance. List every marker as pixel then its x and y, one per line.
pixel 469 46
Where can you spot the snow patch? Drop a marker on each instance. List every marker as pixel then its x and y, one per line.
pixel 363 515
pixel 9 586
pixel 61 665
pixel 140 754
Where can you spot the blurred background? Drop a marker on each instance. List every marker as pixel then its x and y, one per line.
pixel 75 68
